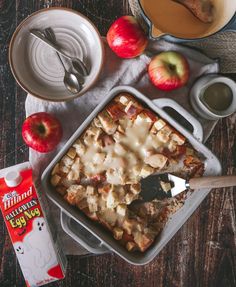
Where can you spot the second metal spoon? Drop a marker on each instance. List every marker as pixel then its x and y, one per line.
pixel 71 80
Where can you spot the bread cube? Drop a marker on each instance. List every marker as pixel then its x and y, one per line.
pixel 142 240
pixel 123 99
pixel 133 109
pixel 146 171
pixel 121 209
pixel 178 138
pixel 71 153
pixel 120 149
pixel 172 146
pixel 97 123
pixel 67 161
pixel 116 111
pixel 99 158
pixel 56 169
pixel 159 124
pixel 108 125
pixel 61 190
pixel 129 197
pixel 121 129
pixel 90 190
pixel 73 174
pixel 109 217
pixel 166 186
pixel 64 169
pixel 118 136
pixel 118 233
pixel 131 246
pixel 156 160
pixel 67 183
pixel 75 193
pixel 135 188
pixel 79 147
pixel 92 201
pixel 145 117
pixel 82 204
pixel 107 140
pixel 93 216
pixel 163 135
pixel 55 179
pixel 128 225
pixel 112 199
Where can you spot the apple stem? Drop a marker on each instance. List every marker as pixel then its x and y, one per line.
pixel 41 129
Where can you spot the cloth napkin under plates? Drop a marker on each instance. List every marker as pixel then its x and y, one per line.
pixel 115 72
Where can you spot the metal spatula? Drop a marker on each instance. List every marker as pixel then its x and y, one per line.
pixel 166 185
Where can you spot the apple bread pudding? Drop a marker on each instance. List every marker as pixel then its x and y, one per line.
pixel 101 172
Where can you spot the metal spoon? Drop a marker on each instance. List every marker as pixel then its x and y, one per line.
pixel 77 63
pixel 71 81
pixel 50 35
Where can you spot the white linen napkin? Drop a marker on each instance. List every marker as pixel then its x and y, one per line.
pixel 115 72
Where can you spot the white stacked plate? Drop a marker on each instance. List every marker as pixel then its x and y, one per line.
pixel 36 67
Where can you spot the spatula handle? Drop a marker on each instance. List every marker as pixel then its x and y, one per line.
pixel 212 181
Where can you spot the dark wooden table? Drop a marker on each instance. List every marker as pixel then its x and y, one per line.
pixel 202 253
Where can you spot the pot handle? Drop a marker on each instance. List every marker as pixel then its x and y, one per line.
pixel 82 235
pixel 231 26
pixel 197 127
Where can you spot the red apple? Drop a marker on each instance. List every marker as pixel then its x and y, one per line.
pixel 42 132
pixel 126 38
pixel 168 70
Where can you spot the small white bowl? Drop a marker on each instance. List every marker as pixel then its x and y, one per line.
pixel 200 108
pixel 35 65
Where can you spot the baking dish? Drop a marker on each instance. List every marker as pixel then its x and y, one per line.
pixel 212 167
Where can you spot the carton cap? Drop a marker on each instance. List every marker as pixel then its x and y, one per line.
pixel 13 178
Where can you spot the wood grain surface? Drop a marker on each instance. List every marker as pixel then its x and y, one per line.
pixel 202 253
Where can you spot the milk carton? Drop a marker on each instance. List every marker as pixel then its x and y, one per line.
pixel 40 258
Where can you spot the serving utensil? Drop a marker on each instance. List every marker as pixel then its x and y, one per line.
pixel 76 62
pixel 73 82
pixel 160 186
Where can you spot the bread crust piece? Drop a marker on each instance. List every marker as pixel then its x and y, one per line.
pixel 202 9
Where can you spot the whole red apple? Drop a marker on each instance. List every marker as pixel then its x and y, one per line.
pixel 42 132
pixel 126 38
pixel 168 70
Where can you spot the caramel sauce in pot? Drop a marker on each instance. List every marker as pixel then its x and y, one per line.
pixel 169 17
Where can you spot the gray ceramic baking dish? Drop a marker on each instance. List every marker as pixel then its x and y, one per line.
pixel 104 240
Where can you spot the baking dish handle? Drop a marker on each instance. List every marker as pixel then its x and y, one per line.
pixel 197 127
pixel 82 235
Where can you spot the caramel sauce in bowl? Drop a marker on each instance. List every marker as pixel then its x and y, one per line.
pixel 171 18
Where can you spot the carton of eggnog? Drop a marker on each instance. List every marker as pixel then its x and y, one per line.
pixel 40 258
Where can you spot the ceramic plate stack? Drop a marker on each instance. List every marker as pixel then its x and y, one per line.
pixel 36 66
